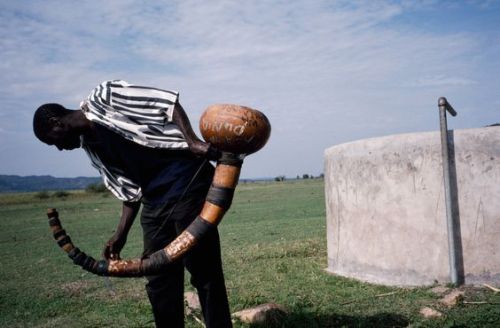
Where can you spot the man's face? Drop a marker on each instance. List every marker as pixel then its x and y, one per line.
pixel 62 136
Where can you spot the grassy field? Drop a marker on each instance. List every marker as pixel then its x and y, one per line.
pixel 274 250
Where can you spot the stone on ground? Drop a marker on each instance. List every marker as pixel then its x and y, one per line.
pixel 430 313
pixel 453 298
pixel 260 314
pixel 192 302
pixel 440 290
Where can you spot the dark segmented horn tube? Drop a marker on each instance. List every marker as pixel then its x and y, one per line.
pixel 231 129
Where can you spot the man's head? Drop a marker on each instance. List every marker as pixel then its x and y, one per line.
pixel 51 125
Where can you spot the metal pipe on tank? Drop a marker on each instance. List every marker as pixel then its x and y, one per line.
pixel 450 215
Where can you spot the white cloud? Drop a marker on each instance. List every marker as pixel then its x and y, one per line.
pixel 323 71
pixel 441 80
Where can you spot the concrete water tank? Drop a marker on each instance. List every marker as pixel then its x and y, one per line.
pixel 386 214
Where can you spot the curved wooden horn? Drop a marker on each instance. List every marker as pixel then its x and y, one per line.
pixel 232 129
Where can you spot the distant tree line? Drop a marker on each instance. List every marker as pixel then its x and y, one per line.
pixel 93 188
pixel 15 183
pixel 304 176
pixel 44 194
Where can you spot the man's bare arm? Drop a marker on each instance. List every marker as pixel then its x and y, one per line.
pixel 197 146
pixel 117 241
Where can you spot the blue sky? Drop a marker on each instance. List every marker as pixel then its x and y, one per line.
pixel 324 72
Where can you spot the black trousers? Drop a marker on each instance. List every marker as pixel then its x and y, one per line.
pixel 166 291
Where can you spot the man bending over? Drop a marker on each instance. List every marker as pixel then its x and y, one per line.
pixel 141 142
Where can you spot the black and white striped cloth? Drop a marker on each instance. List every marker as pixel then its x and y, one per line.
pixel 141 114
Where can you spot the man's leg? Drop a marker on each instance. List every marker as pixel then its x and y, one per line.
pixel 166 290
pixel 205 266
pixel 165 293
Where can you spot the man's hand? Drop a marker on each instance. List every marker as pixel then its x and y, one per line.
pixel 114 246
pixel 198 147
pixel 204 149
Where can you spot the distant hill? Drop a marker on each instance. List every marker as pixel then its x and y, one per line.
pixel 15 183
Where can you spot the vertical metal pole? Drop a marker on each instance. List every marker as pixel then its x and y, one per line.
pixel 443 107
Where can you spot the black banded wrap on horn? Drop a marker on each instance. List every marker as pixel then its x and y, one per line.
pixel 235 131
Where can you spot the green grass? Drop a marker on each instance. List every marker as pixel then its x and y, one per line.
pixel 274 249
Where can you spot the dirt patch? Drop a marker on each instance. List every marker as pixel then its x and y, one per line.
pixel 77 288
pixel 118 288
pixel 55 322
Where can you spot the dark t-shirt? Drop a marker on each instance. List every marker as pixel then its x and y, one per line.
pixel 162 174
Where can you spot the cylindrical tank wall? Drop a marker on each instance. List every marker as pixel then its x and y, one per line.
pixel 386 217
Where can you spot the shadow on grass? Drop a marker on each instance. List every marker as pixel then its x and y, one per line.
pixel 300 320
